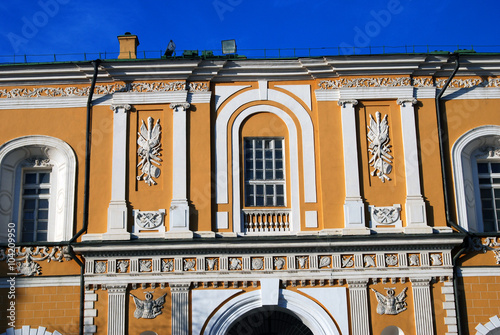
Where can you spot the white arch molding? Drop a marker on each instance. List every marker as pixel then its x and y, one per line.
pixel 308 311
pixel 29 330
pixel 464 173
pixel 306 129
pixel 63 164
pixel 294 163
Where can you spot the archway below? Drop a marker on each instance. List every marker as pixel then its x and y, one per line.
pixel 270 320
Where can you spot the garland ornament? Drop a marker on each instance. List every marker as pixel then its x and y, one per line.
pixel 149 151
pixel 378 135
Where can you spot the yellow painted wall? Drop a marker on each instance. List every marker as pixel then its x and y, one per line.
pixel 481 299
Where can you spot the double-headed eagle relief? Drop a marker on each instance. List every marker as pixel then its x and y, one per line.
pixel 378 135
pixel 149 308
pixel 149 151
pixel 391 304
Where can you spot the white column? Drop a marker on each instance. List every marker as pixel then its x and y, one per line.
pixel 416 217
pixel 179 207
pixel 422 306
pixel 354 208
pixel 116 309
pixel 117 210
pixel 358 300
pixel 180 308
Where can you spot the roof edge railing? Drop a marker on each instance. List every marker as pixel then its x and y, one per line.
pixel 266 53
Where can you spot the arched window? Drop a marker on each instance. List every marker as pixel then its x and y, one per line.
pixel 476 170
pixel 37 188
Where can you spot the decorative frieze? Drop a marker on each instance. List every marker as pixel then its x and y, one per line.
pixel 387 216
pixel 149 151
pixel 27 258
pixel 379 147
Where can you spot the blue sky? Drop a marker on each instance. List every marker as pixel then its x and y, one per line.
pixel 71 26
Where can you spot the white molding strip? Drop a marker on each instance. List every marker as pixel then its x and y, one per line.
pixel 493 271
pixel 42 281
pixel 134 98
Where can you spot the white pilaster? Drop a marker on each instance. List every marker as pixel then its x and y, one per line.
pixel 179 207
pixel 416 217
pixel 422 306
pixel 180 308
pixel 117 210
pixel 116 309
pixel 358 298
pixel 354 208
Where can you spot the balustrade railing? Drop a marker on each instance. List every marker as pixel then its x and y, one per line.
pixel 267 220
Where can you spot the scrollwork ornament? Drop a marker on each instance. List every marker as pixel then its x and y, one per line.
pixel 26 258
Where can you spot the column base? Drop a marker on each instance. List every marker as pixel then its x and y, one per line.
pixel 354 215
pixel 179 216
pixel 117 221
pixel 416 217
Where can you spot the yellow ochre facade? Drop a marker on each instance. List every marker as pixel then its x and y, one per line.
pixel 194 195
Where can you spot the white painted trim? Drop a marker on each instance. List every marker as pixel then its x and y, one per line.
pixel 472 93
pixel 363 93
pixel 42 281
pixel 199 97
pixel 303 92
pixel 294 164
pixel 311 219
pixel 463 167
pixel 490 271
pixel 307 128
pixel 63 175
pixel 222 220
pixel 136 98
pixel 487 328
pixel 224 92
pixel 308 311
pixel 28 330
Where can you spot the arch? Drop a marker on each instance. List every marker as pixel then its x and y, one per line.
pixel 307 131
pixel 392 330
pixel 294 162
pixel 57 154
pixel 464 171
pixel 29 330
pixel 490 328
pixel 309 312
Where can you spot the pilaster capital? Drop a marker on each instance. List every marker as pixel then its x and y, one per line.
pixel 180 106
pixel 404 102
pixel 121 108
pixel 420 282
pixel 344 102
pixel 357 283
pixel 116 288
pixel 179 287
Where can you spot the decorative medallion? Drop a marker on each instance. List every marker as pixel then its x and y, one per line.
pixel 234 263
pixel 100 267
pixel 122 266
pixel 167 265
pixel 347 261
pixel 212 264
pixel 391 260
pixel 369 261
pixel 145 265
pixel 386 215
pixel 189 264
pixel 279 263
pixel 436 259
pixel 414 260
pixel 149 220
pixel 325 261
pixel 149 151
pixel 257 263
pixel 302 262
pixel 391 304
pixel 379 148
pixel 148 308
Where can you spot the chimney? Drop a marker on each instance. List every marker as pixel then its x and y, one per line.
pixel 128 46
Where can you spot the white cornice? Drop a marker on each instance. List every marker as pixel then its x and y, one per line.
pixel 472 93
pixel 490 271
pixel 150 97
pixel 199 97
pixel 42 281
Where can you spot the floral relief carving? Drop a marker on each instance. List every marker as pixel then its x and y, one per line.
pixel 198 87
pixel 379 147
pixel 149 151
pixel 391 260
pixel 26 258
pixel 364 82
pixel 100 266
pixel 257 263
pixel 234 263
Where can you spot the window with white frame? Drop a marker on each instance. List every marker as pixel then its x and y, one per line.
pixel 35 205
pixel 264 172
pixel 489 188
